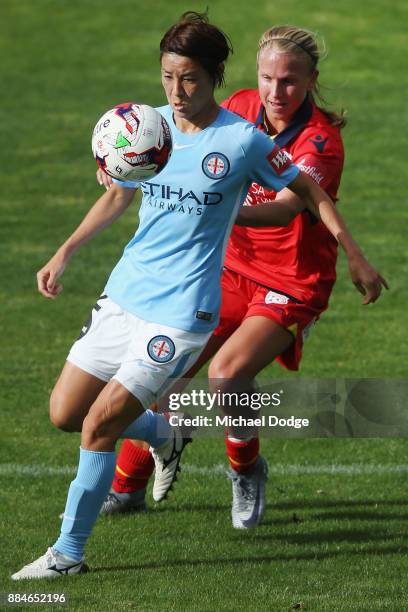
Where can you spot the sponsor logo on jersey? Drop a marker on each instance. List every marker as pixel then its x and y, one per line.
pixel 276 298
pixel 161 349
pixel 258 195
pixel 182 195
pixel 279 160
pixel 319 143
pixel 311 171
pixel 215 165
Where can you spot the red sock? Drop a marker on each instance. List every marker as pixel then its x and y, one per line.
pixel 134 466
pixel 242 454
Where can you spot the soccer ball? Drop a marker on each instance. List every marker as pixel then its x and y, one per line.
pixel 132 142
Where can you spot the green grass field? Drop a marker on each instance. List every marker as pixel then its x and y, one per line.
pixel 334 536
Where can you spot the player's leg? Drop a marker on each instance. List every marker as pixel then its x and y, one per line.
pixel 74 393
pixel 71 399
pixel 255 344
pixel 155 355
pixel 99 349
pixel 134 456
pixel 263 336
pixel 135 464
pixel 115 411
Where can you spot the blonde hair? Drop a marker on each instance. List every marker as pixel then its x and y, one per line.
pixel 303 43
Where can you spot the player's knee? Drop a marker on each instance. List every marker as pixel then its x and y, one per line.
pixel 97 428
pixel 101 421
pixel 60 414
pixel 92 431
pixel 62 421
pixel 224 370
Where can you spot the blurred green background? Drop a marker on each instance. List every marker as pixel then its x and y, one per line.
pixel 63 63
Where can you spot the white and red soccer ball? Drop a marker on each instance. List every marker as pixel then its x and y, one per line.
pixel 132 142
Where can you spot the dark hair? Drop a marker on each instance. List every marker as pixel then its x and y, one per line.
pixel 193 36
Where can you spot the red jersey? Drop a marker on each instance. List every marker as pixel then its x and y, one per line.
pixel 298 260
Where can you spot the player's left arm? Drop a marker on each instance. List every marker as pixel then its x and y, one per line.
pixel 366 278
pixel 279 212
pixel 306 192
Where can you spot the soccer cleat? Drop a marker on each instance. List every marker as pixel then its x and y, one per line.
pixel 121 503
pixel 167 459
pixel 51 565
pixel 248 495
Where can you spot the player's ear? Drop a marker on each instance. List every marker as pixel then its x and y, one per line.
pixel 313 79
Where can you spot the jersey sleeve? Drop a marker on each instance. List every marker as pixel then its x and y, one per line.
pixel 270 166
pixel 127 184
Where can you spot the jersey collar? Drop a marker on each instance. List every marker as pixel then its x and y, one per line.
pixel 297 124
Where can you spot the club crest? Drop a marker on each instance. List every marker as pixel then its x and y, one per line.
pixel 161 349
pixel 215 165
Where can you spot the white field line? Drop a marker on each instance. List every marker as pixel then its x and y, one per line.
pixel 357 469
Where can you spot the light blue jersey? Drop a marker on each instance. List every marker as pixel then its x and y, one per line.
pixel 170 271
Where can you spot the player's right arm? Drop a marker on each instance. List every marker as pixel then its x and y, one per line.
pixel 105 210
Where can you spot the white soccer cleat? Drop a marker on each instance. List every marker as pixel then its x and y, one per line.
pixel 167 459
pixel 248 495
pixel 51 565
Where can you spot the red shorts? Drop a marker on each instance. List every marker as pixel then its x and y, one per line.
pixel 243 298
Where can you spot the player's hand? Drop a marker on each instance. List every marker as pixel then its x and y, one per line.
pixel 366 279
pixel 48 275
pixel 103 179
